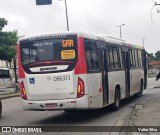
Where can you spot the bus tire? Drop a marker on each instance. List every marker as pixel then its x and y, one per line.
pixel 141 90
pixel 116 103
pixel 139 94
pixel 0 108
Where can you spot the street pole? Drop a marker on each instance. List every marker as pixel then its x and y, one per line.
pixel 66 15
pixel 48 2
pixel 143 40
pixel 15 73
pixel 120 29
pixel 120 32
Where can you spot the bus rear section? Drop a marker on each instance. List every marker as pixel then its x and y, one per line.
pixel 50 72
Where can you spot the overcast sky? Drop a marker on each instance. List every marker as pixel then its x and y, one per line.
pixel 94 16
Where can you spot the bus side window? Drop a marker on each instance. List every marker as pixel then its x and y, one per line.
pixel 121 65
pixel 94 56
pixel 115 56
pixel 136 59
pixel 91 55
pixel 131 59
pixel 88 57
pixel 110 53
pixel 140 58
pixel 108 60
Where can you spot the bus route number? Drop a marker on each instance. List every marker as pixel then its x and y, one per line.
pixel 61 78
pixel 67 43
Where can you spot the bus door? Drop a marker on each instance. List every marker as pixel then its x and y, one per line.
pixel 127 72
pixel 103 68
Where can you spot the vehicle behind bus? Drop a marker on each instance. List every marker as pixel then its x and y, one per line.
pixel 5 78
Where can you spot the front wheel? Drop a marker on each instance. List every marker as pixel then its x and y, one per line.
pixel 116 104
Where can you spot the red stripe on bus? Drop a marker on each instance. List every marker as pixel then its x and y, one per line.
pixel 20 69
pixel 81 67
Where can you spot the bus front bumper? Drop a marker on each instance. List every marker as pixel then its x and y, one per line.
pixel 79 103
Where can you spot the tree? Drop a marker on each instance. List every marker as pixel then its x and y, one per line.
pixel 151 57
pixel 7 41
pixel 157 54
pixel 3 22
pixel 7 53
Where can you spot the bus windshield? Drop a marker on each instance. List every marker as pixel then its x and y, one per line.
pixel 53 49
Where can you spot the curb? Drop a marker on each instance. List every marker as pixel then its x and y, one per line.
pixel 6 96
pixel 157 86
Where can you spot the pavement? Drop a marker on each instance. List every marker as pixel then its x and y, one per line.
pixel 145 114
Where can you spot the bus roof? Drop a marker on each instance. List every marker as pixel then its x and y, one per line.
pixel 103 37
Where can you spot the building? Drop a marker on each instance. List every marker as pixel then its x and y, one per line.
pixel 154 65
pixel 3 64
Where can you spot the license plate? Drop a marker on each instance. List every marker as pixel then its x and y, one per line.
pixel 51 105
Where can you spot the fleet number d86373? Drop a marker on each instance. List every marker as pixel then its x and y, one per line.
pixel 61 78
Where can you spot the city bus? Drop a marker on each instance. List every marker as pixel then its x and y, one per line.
pixel 75 70
pixel 5 78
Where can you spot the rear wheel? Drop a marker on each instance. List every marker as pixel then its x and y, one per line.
pixel 139 94
pixel 0 108
pixel 141 90
pixel 116 104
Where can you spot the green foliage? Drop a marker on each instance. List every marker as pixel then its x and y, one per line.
pixel 151 56
pixel 8 38
pixel 157 54
pixel 156 57
pixel 7 53
pixel 3 22
pixel 7 41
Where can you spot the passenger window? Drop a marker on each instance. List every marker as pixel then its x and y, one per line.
pixel 131 59
pixel 136 59
pixel 140 58
pixel 94 56
pixel 120 57
pixel 91 55
pixel 88 57
pixel 110 52
pixel 115 58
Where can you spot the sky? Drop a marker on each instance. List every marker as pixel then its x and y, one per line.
pixel 93 16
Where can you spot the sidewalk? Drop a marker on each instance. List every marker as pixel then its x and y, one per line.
pixel 147 113
pixel 8 93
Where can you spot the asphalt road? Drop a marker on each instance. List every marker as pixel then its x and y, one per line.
pixel 13 114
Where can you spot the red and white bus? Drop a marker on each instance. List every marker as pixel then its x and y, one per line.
pixel 74 70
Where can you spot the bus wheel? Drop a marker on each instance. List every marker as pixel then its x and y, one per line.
pixel 116 104
pixel 141 90
pixel 0 109
pixel 139 94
